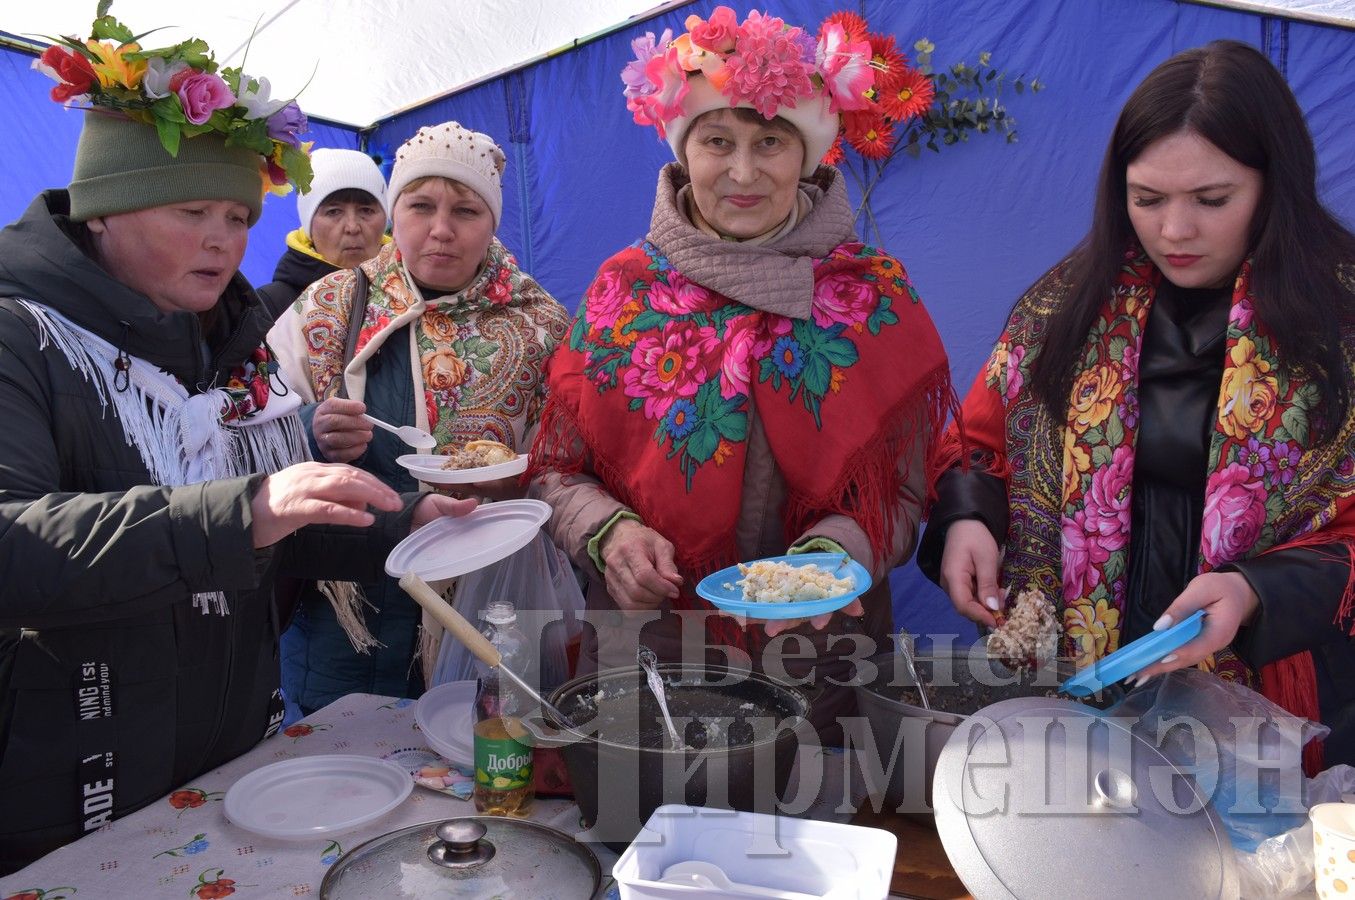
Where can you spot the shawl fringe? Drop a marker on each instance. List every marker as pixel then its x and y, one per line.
pixel 1292 684
pixel 348 600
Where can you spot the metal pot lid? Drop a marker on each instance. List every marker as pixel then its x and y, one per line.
pixel 1040 797
pixel 470 857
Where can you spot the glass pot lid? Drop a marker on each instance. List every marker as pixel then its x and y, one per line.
pixel 1044 797
pixel 469 858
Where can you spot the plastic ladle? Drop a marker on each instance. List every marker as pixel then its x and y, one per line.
pixel 475 642
pixel 648 660
pixel 708 876
pixel 414 437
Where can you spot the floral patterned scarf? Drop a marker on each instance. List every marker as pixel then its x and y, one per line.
pixel 478 355
pixel 1268 484
pixel 661 375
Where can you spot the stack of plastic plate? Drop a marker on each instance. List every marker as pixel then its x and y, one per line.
pixel 446 716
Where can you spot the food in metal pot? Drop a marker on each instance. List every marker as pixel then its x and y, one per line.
pixel 1030 632
pixel 779 582
pixel 478 454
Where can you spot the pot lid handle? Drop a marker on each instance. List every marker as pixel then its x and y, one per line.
pixel 461 845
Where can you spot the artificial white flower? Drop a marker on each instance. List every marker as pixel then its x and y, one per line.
pixel 159 73
pixel 254 96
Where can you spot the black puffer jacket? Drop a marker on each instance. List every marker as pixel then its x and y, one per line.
pixel 114 689
pixel 295 272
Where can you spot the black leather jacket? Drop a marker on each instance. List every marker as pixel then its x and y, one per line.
pixel 1300 589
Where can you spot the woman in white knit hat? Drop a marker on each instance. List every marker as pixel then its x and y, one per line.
pixel 343 222
pixel 451 337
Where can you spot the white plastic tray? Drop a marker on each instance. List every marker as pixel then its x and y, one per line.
pixel 827 859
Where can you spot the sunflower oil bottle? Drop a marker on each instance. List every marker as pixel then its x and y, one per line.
pixel 503 764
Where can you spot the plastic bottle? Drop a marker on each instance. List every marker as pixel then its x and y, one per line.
pixel 503 764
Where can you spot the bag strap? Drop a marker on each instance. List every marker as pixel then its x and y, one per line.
pixel 361 287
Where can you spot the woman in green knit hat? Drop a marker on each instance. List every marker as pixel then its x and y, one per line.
pixel 152 467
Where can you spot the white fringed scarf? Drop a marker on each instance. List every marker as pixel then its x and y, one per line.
pixel 182 439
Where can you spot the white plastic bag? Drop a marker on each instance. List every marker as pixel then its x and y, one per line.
pixel 1282 866
pixel 541 585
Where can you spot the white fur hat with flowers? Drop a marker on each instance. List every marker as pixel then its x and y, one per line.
pixel 340 170
pixel 762 64
pixel 454 152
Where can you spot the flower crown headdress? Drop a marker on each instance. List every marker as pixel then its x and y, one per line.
pixel 182 93
pixel 761 62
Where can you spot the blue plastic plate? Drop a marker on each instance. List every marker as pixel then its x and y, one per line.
pixel 1134 656
pixel 730 599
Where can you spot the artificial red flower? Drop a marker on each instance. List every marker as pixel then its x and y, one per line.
pixel 835 153
pixel 854 25
pixel 885 58
pixel 76 74
pixel 910 95
pixel 870 133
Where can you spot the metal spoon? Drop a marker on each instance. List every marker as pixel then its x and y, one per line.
pixel 906 651
pixel 647 660
pixel 414 437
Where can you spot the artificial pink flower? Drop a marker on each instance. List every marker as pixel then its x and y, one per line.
pixel 768 69
pixel 668 366
pixel 717 33
pixel 638 86
pixel 845 67
pixel 1234 514
pixel 842 298
pixel 201 93
pixel 671 88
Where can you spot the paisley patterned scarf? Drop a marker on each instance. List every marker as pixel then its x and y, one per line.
pixel 1269 485
pixel 478 355
pixel 661 376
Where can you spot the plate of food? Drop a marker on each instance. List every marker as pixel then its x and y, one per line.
pixel 471 463
pixel 797 586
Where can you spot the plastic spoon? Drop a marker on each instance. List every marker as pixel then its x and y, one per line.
pixel 906 651
pixel 414 437
pixel 701 874
pixel 475 642
pixel 647 660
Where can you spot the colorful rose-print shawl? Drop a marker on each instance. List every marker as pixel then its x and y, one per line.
pixel 1069 483
pixel 661 375
pixel 481 352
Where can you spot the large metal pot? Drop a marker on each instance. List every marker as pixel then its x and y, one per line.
pixel 909 738
pixel 742 731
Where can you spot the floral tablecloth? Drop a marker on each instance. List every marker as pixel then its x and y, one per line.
pixel 183 847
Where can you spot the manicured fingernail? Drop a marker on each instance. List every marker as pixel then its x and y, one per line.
pixel 991 603
pixel 1164 622
pixel 1169 658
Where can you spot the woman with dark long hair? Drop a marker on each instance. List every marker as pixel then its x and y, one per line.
pixel 1165 424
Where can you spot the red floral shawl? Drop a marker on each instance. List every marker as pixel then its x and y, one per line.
pixel 660 376
pixel 1069 483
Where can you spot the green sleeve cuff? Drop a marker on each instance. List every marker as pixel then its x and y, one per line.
pixel 595 542
pixel 818 545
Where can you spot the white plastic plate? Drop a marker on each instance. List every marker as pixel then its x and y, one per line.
pixel 446 718
pixel 315 796
pixel 452 546
pixel 428 469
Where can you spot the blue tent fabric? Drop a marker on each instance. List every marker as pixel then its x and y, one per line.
pixel 975 224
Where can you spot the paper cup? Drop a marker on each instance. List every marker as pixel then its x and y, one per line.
pixel 1334 850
